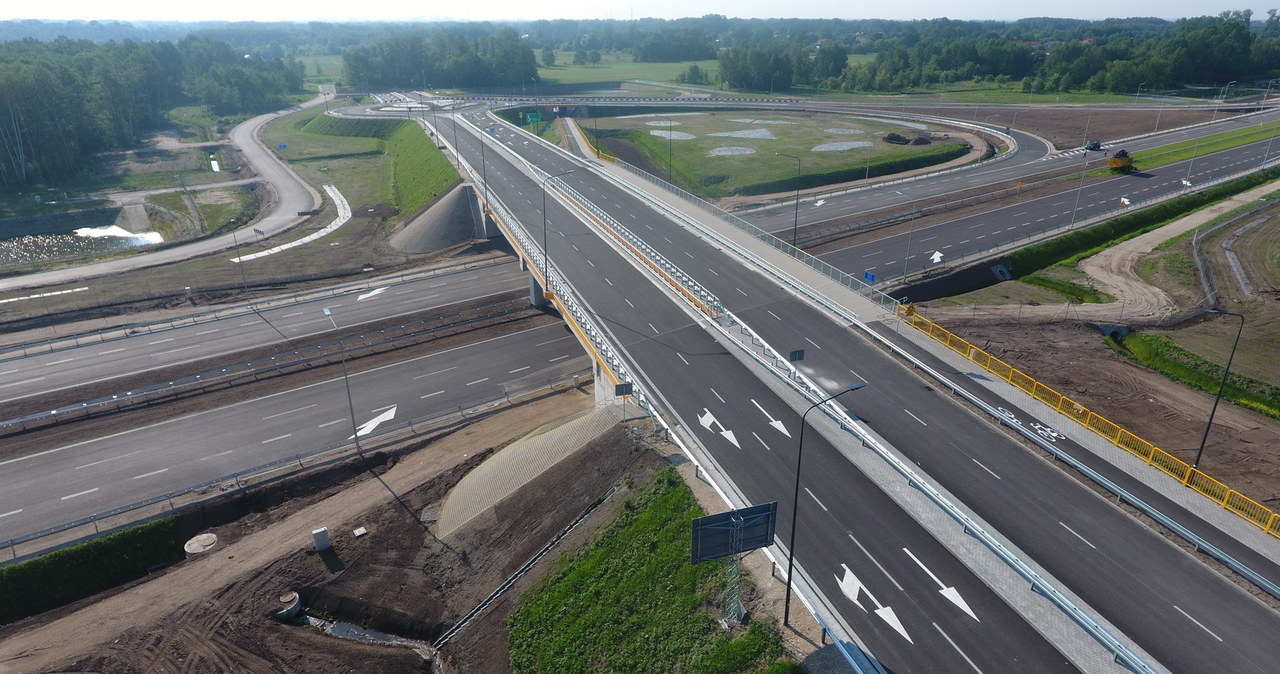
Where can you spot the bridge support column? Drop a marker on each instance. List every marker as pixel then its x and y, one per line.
pixel 603 388
pixel 536 298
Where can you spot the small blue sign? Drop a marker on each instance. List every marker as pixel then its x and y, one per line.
pixel 282 146
pixel 868 277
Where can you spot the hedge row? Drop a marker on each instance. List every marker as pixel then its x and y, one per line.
pixel 939 155
pixel 76 572
pixel 1034 258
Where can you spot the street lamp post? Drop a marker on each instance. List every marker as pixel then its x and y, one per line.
pixel 1221 385
pixel 546 256
pixel 795 498
pixel 346 381
pixel 795 225
pixel 670 135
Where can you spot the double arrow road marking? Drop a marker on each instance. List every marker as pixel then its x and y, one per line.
pixel 707 419
pixel 853 588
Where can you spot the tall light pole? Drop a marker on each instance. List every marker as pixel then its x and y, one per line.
pixel 346 381
pixel 795 499
pixel 1139 94
pixel 670 135
pixel 546 255
pixel 1222 97
pixel 1221 385
pixel 795 225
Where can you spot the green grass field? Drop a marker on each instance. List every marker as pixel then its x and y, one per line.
pixel 719 165
pixel 633 602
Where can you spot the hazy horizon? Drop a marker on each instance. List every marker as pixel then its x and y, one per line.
pixel 508 10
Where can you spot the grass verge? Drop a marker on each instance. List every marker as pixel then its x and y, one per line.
pixel 1163 356
pixel 633 602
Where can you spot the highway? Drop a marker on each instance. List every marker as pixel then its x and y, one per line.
pixel 65 483
pixel 1133 577
pixel 711 392
pixel 44 373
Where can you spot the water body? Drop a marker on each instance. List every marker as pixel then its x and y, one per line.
pixel 82 242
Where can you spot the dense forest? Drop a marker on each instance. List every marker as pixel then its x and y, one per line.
pixel 68 89
pixel 65 99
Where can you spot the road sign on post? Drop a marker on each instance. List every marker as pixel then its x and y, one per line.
pixel 734 532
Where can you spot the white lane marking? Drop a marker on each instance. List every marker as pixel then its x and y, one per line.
pixel 606 280
pixel 19 383
pixel 296 313
pixel 922 423
pixel 249 323
pixel 380 409
pixel 740 291
pixel 214 456
pixel 121 456
pixel 655 330
pixel 278 437
pixel 681 357
pixel 280 414
pixel 154 472
pixel 432 374
pixel 629 303
pixel 553 341
pixel 591 263
pixel 330 423
pixel 815 344
pixel 182 348
pixel 11 512
pixel 993 473
pixel 773 314
pixel 102 353
pixel 558 358
pixel 953 645
pixel 429 395
pixel 1073 532
pixel 90 491
pixel 815 499
pixel 478 381
pixel 876 562
pixel 160 341
pixel 59 362
pixel 860 377
pixel 208 332
pixel 519 369
pixel 691 257
pixel 717 395
pixel 1198 623
pixel 766 445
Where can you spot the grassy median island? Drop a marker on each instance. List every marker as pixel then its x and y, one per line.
pixel 633 603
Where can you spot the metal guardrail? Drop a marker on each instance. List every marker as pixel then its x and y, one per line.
pixel 111 334
pixel 1238 504
pixel 275 470
pixel 225 376
pixel 571 307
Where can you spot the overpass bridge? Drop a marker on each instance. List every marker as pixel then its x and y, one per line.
pixel 696 317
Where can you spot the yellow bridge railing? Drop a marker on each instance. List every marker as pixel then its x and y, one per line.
pixel 1256 513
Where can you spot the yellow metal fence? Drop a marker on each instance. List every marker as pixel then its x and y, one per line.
pixel 1256 513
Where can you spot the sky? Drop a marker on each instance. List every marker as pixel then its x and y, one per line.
pixel 490 10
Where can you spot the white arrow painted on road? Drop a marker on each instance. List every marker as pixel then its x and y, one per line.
pixel 707 420
pixel 372 293
pixel 851 587
pixel 936 257
pixel 772 422
pixel 819 202
pixel 368 426
pixel 951 593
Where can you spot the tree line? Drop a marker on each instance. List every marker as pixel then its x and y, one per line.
pixel 64 100
pixel 476 56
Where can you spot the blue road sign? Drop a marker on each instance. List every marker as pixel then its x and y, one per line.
pixel 868 277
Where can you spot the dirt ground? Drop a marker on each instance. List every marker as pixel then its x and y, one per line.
pixel 1061 345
